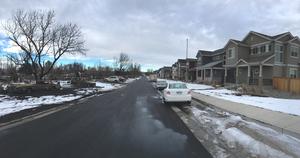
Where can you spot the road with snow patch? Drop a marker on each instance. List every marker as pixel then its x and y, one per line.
pixel 129 122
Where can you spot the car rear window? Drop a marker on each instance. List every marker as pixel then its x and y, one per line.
pixel 177 86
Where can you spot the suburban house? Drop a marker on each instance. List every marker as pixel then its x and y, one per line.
pixel 174 72
pixel 165 72
pixel 257 58
pixel 192 69
pixel 184 69
pixel 210 66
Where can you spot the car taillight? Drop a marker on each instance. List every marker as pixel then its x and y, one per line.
pixel 168 92
pixel 189 92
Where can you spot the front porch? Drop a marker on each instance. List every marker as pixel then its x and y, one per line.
pixel 250 74
pixel 211 75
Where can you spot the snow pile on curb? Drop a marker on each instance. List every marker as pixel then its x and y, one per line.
pixel 194 86
pixel 246 137
pixel 11 104
pixel 290 106
pixel 106 86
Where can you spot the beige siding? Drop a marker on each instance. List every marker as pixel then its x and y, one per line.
pixel 270 61
pixel 296 42
pixel 243 52
pixel 253 39
pixel 267 72
pixel 278 71
pixel 285 38
pixel 233 60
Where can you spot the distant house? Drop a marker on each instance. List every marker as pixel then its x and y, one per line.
pixel 184 69
pixel 192 69
pixel 258 58
pixel 210 66
pixel 174 72
pixel 165 72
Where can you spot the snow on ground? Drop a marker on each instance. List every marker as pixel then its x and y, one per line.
pixel 194 86
pixel 290 106
pixel 129 80
pixel 12 104
pixel 258 141
pixel 106 86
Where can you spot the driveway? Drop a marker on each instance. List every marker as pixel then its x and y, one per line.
pixel 130 122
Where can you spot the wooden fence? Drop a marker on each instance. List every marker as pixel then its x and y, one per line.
pixel 287 84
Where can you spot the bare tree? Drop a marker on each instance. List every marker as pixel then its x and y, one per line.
pixel 122 62
pixel 42 40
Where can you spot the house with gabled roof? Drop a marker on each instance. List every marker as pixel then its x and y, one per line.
pixel 257 58
pixel 210 66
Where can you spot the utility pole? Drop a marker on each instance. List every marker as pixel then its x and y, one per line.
pixel 186 59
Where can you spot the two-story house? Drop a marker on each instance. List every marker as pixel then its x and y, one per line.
pixel 210 66
pixel 165 72
pixel 192 69
pixel 174 72
pixel 184 69
pixel 258 58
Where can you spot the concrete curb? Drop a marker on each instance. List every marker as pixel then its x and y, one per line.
pixel 282 120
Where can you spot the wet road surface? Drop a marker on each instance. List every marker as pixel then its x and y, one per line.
pixel 130 122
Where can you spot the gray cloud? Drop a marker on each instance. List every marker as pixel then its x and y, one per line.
pixel 153 32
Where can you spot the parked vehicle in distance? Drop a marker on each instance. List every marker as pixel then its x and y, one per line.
pixel 161 84
pixel 122 79
pixel 112 79
pixel 152 77
pixel 177 92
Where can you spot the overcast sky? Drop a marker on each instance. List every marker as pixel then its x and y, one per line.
pixel 153 32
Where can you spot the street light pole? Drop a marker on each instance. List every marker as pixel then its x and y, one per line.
pixel 186 59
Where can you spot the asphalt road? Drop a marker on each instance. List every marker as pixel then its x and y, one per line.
pixel 127 123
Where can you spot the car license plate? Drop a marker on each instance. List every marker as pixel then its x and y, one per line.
pixel 178 92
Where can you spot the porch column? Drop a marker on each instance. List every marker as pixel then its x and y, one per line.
pixel 237 75
pixel 211 75
pixel 196 73
pixel 249 74
pixel 225 75
pixel 201 75
pixel 260 79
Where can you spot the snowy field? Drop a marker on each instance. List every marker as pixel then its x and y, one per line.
pixel 290 106
pixel 243 138
pixel 12 104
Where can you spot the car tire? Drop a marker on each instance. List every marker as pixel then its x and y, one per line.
pixel 164 101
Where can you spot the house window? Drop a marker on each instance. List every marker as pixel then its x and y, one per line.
pixel 199 73
pixel 294 51
pixel 279 53
pixel 263 49
pixel 254 51
pixel 270 48
pixel 231 52
pixel 293 72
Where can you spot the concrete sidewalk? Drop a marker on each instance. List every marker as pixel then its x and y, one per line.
pixel 282 120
